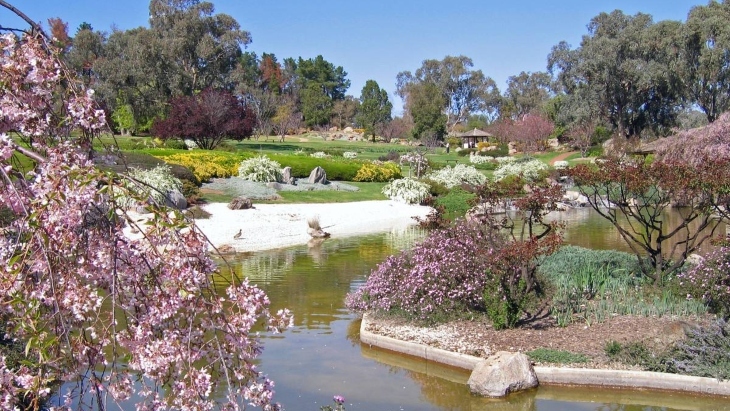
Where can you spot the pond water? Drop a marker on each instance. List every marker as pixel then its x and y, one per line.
pixel 321 355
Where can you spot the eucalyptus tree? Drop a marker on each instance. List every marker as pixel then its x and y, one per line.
pixel 204 46
pixel 526 93
pixel 375 108
pixel 425 104
pixel 707 58
pixel 129 77
pixel 464 91
pixel 627 67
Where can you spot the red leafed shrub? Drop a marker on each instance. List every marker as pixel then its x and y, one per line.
pixel 207 118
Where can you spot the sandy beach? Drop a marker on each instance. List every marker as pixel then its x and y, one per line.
pixel 269 226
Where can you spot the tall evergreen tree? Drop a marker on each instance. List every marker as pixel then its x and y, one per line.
pixel 375 108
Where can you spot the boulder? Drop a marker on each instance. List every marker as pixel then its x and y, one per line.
pixel 318 175
pixel 176 199
pixel 348 130
pixel 286 176
pixel 501 374
pixel 240 203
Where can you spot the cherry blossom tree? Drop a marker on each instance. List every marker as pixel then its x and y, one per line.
pixel 112 309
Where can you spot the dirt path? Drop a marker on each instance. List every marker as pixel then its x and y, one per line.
pixel 562 157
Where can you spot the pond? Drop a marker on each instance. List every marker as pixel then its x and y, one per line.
pixel 321 355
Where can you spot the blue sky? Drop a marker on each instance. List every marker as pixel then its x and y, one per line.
pixel 377 39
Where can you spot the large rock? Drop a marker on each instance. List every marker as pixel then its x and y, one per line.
pixel 318 175
pixel 286 176
pixel 501 374
pixel 240 203
pixel 176 199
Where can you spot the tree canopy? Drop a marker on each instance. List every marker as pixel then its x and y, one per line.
pixel 375 108
pixel 463 91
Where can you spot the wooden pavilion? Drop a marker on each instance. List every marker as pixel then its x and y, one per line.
pixel 471 138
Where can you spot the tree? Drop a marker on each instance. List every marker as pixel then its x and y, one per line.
pixel 398 127
pixel 287 118
pixel 635 197
pixel 112 316
pixel 526 93
pixel 87 46
pixel 464 91
pixel 625 67
pixel 425 104
pixel 59 33
pixel 320 84
pixel 707 40
pixel 375 108
pixel 207 118
pixel 344 111
pixel 531 132
pixel 203 47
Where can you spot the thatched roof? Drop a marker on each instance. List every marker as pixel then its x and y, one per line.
pixel 474 133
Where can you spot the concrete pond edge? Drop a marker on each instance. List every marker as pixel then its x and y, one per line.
pixel 637 380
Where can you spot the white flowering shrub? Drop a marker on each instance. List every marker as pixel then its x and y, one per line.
pixel 319 154
pixel 260 169
pixel 560 165
pixel 154 184
pixel 349 154
pixel 477 159
pixel 300 152
pixel 190 144
pixel 407 190
pixel 506 160
pixel 458 175
pixel 529 169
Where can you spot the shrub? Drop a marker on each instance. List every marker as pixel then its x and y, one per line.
pixel 458 175
pixel 443 274
pixel 435 188
pixel 378 173
pixel 456 202
pixel 337 169
pixel 704 353
pixel 207 165
pixel 709 281
pixel 154 183
pixel 477 159
pixel 319 154
pixel 529 169
pixel 561 165
pixel 407 190
pixel 391 156
pixel 349 155
pixel 260 169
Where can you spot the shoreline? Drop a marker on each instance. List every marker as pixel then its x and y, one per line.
pixel 272 226
pixel 555 375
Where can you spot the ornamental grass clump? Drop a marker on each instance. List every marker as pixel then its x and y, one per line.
pixel 458 175
pixel 406 190
pixel 260 169
pixel 445 274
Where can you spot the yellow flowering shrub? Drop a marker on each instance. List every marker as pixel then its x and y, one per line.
pixel 378 172
pixel 207 165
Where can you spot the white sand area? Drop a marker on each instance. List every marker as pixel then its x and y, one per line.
pixel 269 226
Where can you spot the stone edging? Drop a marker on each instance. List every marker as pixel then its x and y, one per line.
pixel 556 375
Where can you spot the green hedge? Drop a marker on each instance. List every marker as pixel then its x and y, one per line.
pixel 302 166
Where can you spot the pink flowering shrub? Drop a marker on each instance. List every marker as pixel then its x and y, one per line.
pixel 445 273
pixel 111 314
pixel 710 281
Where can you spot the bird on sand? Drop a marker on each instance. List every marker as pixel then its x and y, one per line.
pixel 238 234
